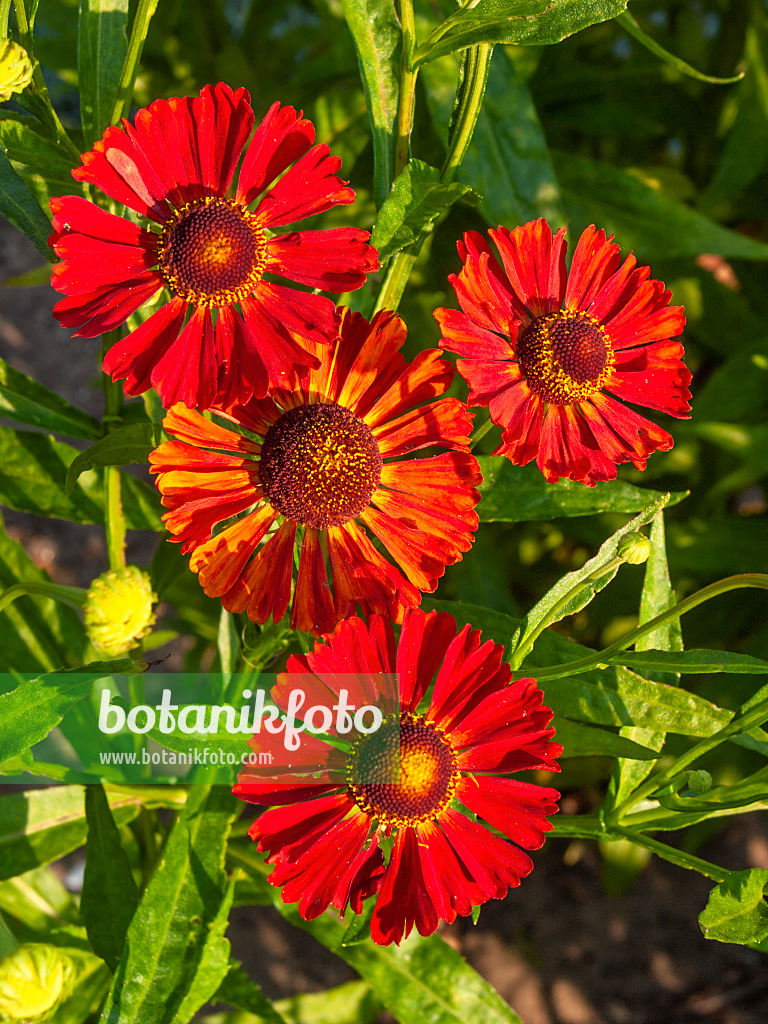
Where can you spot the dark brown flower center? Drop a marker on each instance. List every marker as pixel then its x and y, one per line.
pixel 211 252
pixel 403 773
pixel 320 465
pixel 566 356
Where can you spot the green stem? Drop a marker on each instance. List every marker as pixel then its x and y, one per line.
pixel 139 31
pixel 565 600
pixel 674 776
pixel 479 432
pixel 407 99
pixel 72 596
pixel 670 853
pixel 471 98
pixel 114 519
pixel 475 80
pixel 755 580
pixel 5 10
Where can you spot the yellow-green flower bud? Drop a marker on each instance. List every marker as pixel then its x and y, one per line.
pixel 15 69
pixel 34 980
pixel 699 781
pixel 118 610
pixel 634 548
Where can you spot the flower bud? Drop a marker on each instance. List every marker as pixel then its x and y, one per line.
pixel 118 610
pixel 15 69
pixel 34 980
pixel 634 548
pixel 699 781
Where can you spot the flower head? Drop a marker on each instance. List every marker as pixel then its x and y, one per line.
pixel 546 350
pixel 34 980
pixel 118 610
pixel 432 782
pixel 309 466
pixel 210 243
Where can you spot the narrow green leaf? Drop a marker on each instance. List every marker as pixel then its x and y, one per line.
pixel 125 446
pixel 514 494
pixel 139 28
pixel 33 469
pixel 110 896
pixel 41 825
pixel 19 206
pixel 692 661
pixel 507 161
pixel 102 48
pixel 36 706
pixel 629 23
pixel 641 215
pixel 238 990
pixel 736 910
pixel 580 740
pixel 378 42
pixel 26 142
pixel 25 401
pixel 545 607
pixel 173 960
pixel 531 22
pixel 417 198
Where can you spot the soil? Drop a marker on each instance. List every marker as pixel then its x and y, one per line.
pixel 558 949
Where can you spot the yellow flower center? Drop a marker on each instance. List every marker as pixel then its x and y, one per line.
pixel 403 773
pixel 320 464
pixel 566 356
pixel 212 252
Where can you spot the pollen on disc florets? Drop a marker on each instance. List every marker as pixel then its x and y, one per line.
pixel 403 773
pixel 320 465
pixel 566 356
pixel 212 252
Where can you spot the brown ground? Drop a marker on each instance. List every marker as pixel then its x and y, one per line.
pixel 559 949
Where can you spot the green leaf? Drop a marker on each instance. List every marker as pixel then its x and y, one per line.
pixel 19 206
pixel 736 910
pixel 25 401
pixel 102 48
pixel 33 469
pixel 238 990
pixel 580 740
pixel 514 494
pixel 37 899
pixel 507 161
pixel 42 825
pixel 378 42
pixel 36 706
pixel 25 142
pixel 110 896
pixel 641 215
pixel 37 633
pixel 421 980
pixel 629 24
pixel 176 956
pixel 417 199
pixel 545 608
pixel 532 22
pixel 749 442
pixel 690 661
pixel 125 446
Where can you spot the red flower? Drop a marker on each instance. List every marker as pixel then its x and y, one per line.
pixel 545 349
pixel 210 244
pixel 447 753
pixel 316 461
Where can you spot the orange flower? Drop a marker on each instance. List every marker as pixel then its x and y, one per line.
pixel 310 468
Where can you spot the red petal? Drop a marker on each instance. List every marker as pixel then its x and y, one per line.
pixel 534 262
pixel 134 358
pixel 335 259
pixel 282 137
pixel 312 610
pixel 309 187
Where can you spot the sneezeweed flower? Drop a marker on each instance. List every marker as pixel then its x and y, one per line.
pixel 210 243
pixel 312 468
pixel 547 350
pixel 431 784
